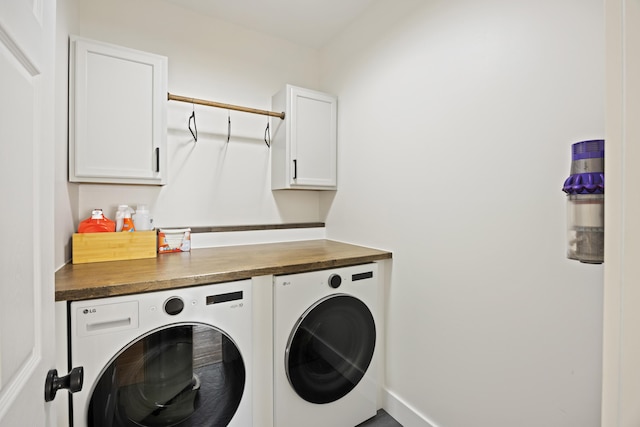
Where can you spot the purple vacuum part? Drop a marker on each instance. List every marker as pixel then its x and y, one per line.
pixel 588 181
pixel 591 149
pixel 584 183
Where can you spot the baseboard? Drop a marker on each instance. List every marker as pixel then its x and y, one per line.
pixel 402 412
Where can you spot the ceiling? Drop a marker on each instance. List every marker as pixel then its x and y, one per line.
pixel 311 23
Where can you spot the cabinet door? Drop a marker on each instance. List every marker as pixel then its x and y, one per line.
pixel 312 121
pixel 117 113
pixel 303 147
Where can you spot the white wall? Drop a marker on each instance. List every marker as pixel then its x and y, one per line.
pixel 210 182
pixel 455 126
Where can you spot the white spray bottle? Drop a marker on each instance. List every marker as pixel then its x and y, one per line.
pixel 120 216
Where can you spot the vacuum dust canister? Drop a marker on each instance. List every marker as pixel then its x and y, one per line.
pixel 585 202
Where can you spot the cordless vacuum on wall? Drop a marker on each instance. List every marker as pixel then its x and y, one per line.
pixel 585 202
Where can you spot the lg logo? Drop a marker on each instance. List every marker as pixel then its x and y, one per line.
pixel 88 310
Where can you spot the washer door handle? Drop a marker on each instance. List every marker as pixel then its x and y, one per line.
pixel 72 382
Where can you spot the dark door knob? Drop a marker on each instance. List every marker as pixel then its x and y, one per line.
pixel 53 383
pixel 335 281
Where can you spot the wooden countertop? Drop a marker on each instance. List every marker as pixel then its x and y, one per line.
pixel 202 266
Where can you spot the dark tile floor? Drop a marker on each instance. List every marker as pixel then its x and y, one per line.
pixel 382 419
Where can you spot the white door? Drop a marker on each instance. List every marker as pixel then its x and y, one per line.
pixel 621 356
pixel 27 48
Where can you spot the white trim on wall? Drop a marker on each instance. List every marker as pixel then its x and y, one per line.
pixel 403 412
pixel 232 238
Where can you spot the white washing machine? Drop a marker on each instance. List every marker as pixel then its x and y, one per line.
pixel 325 347
pixel 179 357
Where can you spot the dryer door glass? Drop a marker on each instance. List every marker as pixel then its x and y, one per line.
pixel 184 375
pixel 330 348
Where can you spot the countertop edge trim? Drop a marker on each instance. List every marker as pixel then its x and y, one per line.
pixel 219 277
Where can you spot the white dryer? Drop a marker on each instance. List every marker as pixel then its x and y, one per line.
pixel 179 357
pixel 325 347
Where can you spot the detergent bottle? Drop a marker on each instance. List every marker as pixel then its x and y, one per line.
pixel 96 223
pixel 127 221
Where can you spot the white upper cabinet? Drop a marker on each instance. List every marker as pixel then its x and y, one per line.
pixel 304 144
pixel 117 103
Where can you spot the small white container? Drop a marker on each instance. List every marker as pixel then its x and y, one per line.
pixel 142 219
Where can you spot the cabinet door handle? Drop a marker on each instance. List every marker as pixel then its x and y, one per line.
pixel 295 169
pixel 157 159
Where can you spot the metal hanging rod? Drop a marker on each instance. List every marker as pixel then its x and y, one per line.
pixel 172 97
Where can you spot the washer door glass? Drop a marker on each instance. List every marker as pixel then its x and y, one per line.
pixel 184 375
pixel 330 348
